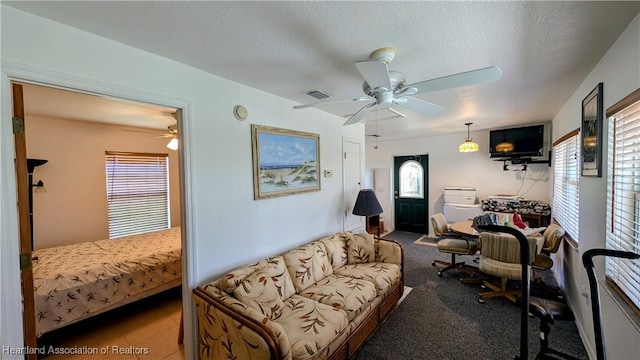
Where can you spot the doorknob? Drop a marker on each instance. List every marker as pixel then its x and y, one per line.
pixel 395 194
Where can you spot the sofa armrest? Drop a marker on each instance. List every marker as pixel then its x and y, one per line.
pixel 228 329
pixel 389 251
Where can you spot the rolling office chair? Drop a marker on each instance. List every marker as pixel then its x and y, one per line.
pixel 553 236
pixel 454 244
pixel 500 257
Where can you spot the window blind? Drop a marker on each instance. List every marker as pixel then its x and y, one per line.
pixel 137 193
pixel 623 205
pixel 566 178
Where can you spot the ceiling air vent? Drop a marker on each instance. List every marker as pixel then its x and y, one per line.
pixel 315 93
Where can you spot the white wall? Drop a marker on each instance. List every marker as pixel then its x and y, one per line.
pixel 227 228
pixel 448 167
pixel 619 70
pixel 72 206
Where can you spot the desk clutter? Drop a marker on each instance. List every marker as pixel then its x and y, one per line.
pixel 536 212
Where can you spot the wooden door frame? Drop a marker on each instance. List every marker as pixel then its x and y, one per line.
pixel 361 180
pixel 26 245
pixel 10 296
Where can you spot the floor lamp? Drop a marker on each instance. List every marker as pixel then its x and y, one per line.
pixel 367 205
pixel 31 165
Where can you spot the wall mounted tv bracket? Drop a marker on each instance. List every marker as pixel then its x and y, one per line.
pixel 524 161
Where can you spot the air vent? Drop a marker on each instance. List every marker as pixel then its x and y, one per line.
pixel 315 93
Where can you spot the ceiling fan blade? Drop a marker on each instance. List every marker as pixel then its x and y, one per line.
pixel 375 73
pixel 419 106
pixel 143 131
pixel 360 114
pixel 364 98
pixel 472 77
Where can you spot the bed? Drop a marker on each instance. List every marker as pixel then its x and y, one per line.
pixel 74 282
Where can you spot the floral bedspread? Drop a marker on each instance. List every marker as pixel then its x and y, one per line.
pixel 72 282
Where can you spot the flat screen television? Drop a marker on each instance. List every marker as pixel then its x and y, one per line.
pixel 518 142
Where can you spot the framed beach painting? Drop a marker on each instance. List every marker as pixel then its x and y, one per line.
pixel 285 162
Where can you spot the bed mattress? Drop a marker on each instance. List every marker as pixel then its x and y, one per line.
pixel 73 282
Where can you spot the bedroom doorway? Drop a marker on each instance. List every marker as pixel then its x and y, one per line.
pixel 26 210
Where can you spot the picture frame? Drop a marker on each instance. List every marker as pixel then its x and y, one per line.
pixel 285 162
pixel 592 118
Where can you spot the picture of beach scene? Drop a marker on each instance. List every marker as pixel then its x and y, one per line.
pixel 287 162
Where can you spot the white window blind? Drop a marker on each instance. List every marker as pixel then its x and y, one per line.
pixel 137 193
pixel 566 178
pixel 623 208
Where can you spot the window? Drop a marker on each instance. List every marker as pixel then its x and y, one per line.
pixel 566 177
pixel 623 199
pixel 411 179
pixel 137 193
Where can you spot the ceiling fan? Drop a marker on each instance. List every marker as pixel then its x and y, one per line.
pixel 171 133
pixel 384 88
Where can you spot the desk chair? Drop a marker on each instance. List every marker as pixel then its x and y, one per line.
pixel 553 236
pixel 500 257
pixel 454 244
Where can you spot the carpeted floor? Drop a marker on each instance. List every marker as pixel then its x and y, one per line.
pixel 442 319
pixel 427 240
pixel 402 235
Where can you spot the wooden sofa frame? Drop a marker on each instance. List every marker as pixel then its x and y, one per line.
pixel 349 346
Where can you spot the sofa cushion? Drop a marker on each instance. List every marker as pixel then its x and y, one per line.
pixel 383 275
pixel 307 265
pixel 230 281
pixel 336 246
pixel 277 269
pixel 258 291
pixel 274 266
pixel 360 248
pixel 310 325
pixel 346 293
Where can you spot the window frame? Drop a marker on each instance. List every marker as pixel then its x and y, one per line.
pixel 621 275
pixel 566 176
pixel 138 196
pixel 405 193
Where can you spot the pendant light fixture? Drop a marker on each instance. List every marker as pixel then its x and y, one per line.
pixel 468 145
pixel 505 146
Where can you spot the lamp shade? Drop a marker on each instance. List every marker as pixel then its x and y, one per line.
pixel 468 146
pixel 367 204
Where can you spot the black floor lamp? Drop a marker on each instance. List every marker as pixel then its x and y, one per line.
pixel 367 205
pixel 31 165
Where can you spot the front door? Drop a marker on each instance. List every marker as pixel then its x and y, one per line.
pixel 410 191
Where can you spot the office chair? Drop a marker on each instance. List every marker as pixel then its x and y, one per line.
pixel 553 236
pixel 500 257
pixel 454 244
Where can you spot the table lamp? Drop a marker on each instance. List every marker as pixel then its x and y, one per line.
pixel 367 205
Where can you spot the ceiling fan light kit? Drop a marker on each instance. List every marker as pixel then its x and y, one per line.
pixel 468 145
pixel 173 144
pixel 384 88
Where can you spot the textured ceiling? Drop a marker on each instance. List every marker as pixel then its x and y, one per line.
pixel 544 49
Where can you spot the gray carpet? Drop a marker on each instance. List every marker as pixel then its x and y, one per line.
pixel 442 319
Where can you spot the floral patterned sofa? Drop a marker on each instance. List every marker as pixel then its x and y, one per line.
pixel 319 301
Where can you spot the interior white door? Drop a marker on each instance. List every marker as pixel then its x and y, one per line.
pixel 352 183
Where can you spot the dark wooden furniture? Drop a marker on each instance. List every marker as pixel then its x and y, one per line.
pixel 375 225
pixel 536 220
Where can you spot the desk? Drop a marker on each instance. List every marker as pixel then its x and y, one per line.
pixel 465 228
